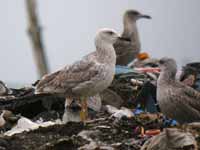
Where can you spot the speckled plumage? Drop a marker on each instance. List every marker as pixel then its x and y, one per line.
pixel 127 51
pixel 176 100
pixel 88 76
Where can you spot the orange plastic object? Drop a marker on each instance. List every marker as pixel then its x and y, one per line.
pixel 143 56
pixel 152 132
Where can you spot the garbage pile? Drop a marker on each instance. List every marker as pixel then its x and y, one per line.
pixel 128 120
pixel 128 84
pixel 112 129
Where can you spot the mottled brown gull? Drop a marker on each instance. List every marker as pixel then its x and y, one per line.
pixel 86 77
pixel 127 51
pixel 176 100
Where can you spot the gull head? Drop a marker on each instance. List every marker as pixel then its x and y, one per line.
pixel 168 64
pixel 134 15
pixel 106 35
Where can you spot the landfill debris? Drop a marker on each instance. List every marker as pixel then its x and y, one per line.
pixel 103 132
pixel 138 111
pixel 152 132
pixel 121 121
pixel 124 88
pixel 148 69
pixel 143 56
pixel 2 120
pixel 123 70
pixel 136 82
pixel 144 60
pixel 147 98
pixel 170 139
pixel 94 103
pixel 109 97
pixel 87 135
pixel 7 120
pixel 119 113
pixel 30 105
pixel 3 89
pixel 25 124
pixel 128 83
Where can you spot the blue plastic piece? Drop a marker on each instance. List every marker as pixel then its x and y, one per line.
pixel 169 122
pixel 138 111
pixel 122 69
pixel 174 123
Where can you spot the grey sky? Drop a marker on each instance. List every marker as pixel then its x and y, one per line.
pixel 69 28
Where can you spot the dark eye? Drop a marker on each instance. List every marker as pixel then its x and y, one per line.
pixel 110 32
pixel 135 13
pixel 161 62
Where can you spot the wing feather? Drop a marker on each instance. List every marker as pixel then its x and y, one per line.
pixel 69 77
pixel 188 95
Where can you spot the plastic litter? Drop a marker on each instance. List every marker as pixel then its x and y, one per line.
pixel 152 132
pixel 119 113
pixel 122 69
pixel 138 111
pixel 24 124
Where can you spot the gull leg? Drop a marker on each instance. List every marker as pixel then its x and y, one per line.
pixel 84 110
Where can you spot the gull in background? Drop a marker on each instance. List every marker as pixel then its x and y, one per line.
pixel 128 50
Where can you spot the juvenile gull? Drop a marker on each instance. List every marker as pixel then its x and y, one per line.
pixel 86 77
pixel 176 100
pixel 127 51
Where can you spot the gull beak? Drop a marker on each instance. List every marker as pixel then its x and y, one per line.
pixel 144 16
pixel 124 39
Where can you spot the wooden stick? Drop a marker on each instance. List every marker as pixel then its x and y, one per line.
pixel 34 31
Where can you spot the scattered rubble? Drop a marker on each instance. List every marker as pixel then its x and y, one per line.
pixel 26 122
pixel 171 139
pixel 102 133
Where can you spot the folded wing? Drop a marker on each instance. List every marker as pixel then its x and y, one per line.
pixel 63 81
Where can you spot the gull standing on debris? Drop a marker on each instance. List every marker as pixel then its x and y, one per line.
pixel 127 51
pixel 176 100
pixel 86 77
